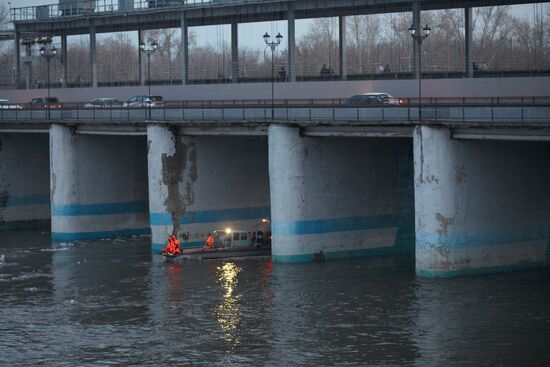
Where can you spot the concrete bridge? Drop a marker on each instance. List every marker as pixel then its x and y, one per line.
pixel 464 188
pixel 463 196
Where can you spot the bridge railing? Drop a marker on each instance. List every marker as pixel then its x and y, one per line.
pixel 102 7
pixel 484 110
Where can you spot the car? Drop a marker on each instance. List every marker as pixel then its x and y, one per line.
pixel 144 101
pixel 373 99
pixel 47 103
pixel 5 104
pixel 103 103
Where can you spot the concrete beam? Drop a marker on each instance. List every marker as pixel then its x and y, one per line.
pixel 358 132
pixel 28 67
pixel 234 51
pixel 184 50
pixel 17 59
pixel 468 42
pixel 343 47
pixel 93 56
pixel 291 24
pixel 64 60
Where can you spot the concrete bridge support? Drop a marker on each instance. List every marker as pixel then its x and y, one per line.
pixel 24 181
pixel 98 185
pixel 335 197
pixel 480 206
pixel 202 183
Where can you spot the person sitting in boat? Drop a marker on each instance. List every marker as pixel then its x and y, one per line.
pixel 173 247
pixel 210 241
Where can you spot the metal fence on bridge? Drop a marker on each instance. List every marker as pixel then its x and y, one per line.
pixel 497 110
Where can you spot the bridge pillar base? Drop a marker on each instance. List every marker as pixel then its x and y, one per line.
pixel 98 184
pixel 336 198
pixel 481 207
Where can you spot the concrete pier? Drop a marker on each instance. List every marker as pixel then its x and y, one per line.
pixel 481 206
pixel 98 185
pixel 24 181
pixel 334 197
pixel 199 184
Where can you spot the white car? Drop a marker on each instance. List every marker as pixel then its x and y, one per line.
pixel 144 101
pixel 374 99
pixel 5 104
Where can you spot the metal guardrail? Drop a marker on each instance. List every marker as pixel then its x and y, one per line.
pixel 490 110
pixel 101 7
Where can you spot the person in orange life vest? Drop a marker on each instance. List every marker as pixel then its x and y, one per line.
pixel 173 246
pixel 210 241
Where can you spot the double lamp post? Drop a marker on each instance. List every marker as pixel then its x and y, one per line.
pixel 273 45
pixel 419 36
pixel 48 52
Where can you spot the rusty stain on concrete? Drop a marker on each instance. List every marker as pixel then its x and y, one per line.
pixel 176 169
pixel 460 173
pixel 444 223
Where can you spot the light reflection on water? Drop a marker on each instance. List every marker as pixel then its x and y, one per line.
pixel 111 302
pixel 229 314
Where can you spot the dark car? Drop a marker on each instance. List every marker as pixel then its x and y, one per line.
pixel 373 99
pixel 47 103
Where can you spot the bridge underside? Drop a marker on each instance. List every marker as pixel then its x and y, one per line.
pixel 462 205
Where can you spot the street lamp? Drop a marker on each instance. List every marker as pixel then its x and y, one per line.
pixel 48 52
pixel 419 37
pixel 148 49
pixel 273 45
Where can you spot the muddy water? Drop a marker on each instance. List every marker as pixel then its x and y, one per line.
pixel 112 303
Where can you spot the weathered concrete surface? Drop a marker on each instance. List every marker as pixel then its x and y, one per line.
pixel 203 183
pixel 99 185
pixel 335 197
pixel 24 181
pixel 480 206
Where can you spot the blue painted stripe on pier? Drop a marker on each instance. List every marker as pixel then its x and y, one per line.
pixel 479 271
pixel 334 255
pixel 24 200
pixel 75 236
pixel 480 239
pixel 335 225
pixel 100 209
pixel 211 216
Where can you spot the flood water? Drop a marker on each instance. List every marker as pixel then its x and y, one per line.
pixel 111 303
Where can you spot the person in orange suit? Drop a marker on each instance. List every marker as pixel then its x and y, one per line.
pixel 210 242
pixel 173 247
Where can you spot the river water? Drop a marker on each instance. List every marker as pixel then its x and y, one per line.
pixel 111 302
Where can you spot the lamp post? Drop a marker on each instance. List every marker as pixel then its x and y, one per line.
pixel 148 49
pixel 273 45
pixel 419 37
pixel 48 52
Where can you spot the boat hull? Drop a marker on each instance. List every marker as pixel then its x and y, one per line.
pixel 221 253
